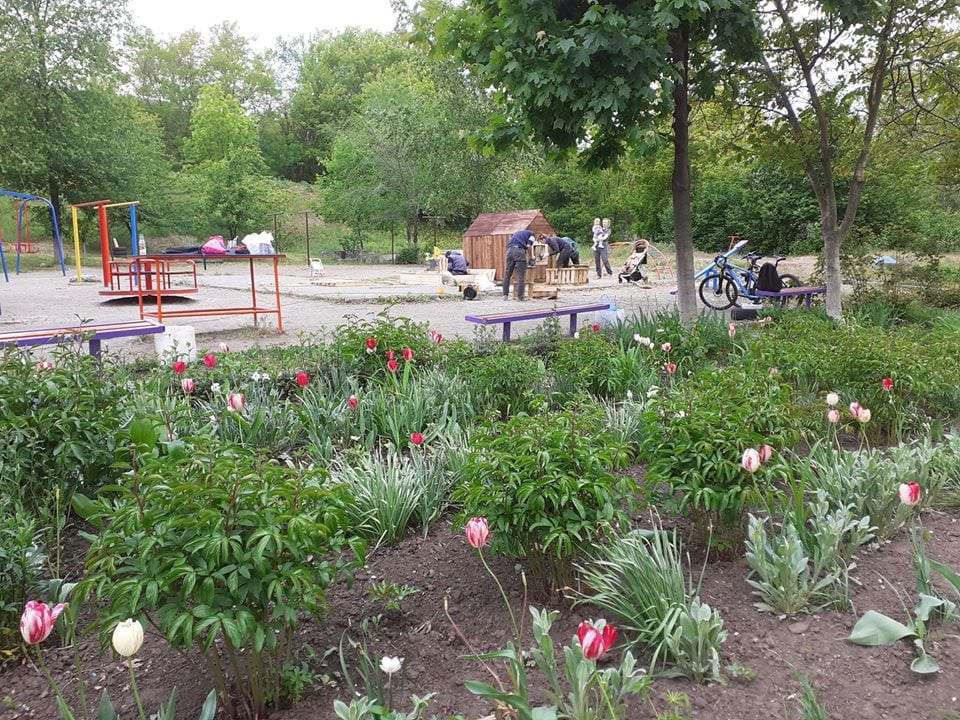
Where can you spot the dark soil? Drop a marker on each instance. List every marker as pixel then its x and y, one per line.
pixel 851 682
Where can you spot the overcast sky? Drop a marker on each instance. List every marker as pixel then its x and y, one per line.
pixel 263 19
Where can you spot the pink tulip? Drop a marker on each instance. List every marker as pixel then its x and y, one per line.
pixel 863 415
pixel 595 642
pixel 390 355
pixel 37 621
pixel 671 368
pixel 417 438
pixel 352 402
pixel 596 328
pixel 210 360
pixel 833 415
pixel 223 348
pixel 407 355
pixel 887 384
pixel 766 452
pixel 909 493
pixel 303 379
pixel 855 408
pixel 774 371
pixel 477 532
pixel 235 402
pixel 188 385
pixel 393 366
pixel 371 344
pixel 45 365
pixel 666 347
pixel 751 460
pixel 179 367
pixel 436 337
pixel 732 330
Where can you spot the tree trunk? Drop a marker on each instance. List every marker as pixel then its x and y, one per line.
pixel 831 267
pixel 682 222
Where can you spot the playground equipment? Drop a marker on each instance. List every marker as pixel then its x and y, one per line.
pixel 23 244
pixel 104 227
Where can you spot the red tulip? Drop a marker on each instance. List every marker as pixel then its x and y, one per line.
pixel 909 493
pixel 352 402
pixel 210 360
pixel 235 402
pixel 477 532
pixel 179 366
pixel 45 365
pixel 596 328
pixel 371 344
pixel 390 355
pixel 671 368
pixel 435 337
pixel 37 621
pixel 766 452
pixel 188 385
pixel 303 379
pixel 417 438
pixel 887 384
pixel 750 460
pixel 224 348
pixel 407 355
pixel 595 642
pixel 393 365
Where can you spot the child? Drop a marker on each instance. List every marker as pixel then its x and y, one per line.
pixel 601 253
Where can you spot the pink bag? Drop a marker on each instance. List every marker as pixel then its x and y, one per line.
pixel 214 246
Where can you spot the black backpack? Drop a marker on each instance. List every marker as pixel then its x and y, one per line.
pixel 768 279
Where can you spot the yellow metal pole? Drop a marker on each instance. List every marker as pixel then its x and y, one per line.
pixel 76 244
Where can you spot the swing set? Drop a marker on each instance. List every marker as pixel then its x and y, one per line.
pixel 24 245
pixel 104 227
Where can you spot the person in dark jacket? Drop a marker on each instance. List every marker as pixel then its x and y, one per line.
pixel 563 248
pixel 517 247
pixel 456 262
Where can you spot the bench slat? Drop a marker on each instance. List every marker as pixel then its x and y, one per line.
pixel 497 318
pixel 793 292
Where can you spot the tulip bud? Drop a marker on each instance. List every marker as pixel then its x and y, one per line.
pixel 45 365
pixel 671 368
pixel 774 371
pixel 417 438
pixel 393 366
pixel 732 330
pixel 750 460
pixel 179 367
pixel 909 493
pixel 371 344
pixel 352 402
pixel 303 379
pixel 37 621
pixel 855 408
pixel 666 347
pixel 128 637
pixel 863 415
pixel 477 532
pixel 188 385
pixel 887 384
pixel 210 360
pixel 832 399
pixel 236 401
pixel 596 327
pixel 766 452
pixel 407 355
pixel 833 415
pixel 223 348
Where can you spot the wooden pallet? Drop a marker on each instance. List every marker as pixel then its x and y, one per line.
pixel 577 275
pixel 544 292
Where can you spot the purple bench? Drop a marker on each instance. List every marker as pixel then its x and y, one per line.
pixel 806 293
pixel 94 334
pixel 506 319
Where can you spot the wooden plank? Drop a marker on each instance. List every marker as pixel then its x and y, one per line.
pixel 497 318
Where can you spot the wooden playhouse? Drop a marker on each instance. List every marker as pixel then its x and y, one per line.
pixel 485 241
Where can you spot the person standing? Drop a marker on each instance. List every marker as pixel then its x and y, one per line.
pixel 601 245
pixel 517 248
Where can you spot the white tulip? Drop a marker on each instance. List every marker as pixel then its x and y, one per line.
pixel 391 665
pixel 832 398
pixel 128 637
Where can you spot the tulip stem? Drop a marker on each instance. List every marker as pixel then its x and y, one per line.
pixel 136 691
pixel 513 619
pixel 53 683
pixel 603 691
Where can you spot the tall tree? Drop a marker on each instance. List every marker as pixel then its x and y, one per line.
pixel 51 51
pixel 599 75
pixel 824 75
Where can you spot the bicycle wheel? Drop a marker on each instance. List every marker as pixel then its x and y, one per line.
pixel 718 292
pixel 790 281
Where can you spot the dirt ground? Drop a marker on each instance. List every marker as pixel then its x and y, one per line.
pixel 311 305
pixel 851 682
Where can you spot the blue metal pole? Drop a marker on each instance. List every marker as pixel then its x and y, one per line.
pixel 56 236
pixel 134 245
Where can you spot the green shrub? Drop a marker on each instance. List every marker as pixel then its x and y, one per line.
pixel 222 551
pixel 409 255
pixel 545 485
pixel 391 333
pixel 697 434
pixel 583 364
pixel 508 380
pixel 21 568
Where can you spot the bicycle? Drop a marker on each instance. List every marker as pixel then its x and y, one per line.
pixel 724 282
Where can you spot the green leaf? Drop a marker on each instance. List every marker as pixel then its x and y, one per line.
pixel 106 710
pixel 875 629
pixel 209 709
pixel 544 713
pixel 143 432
